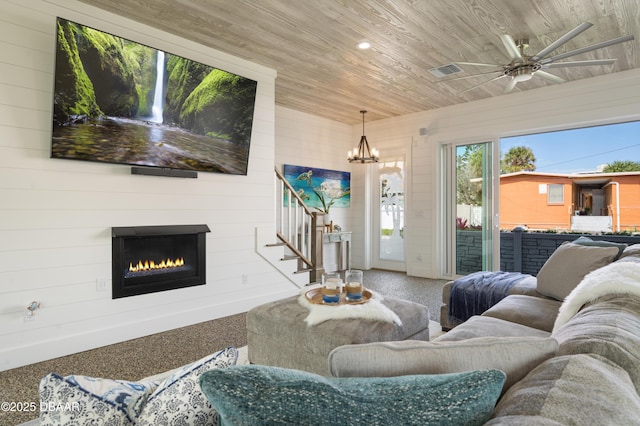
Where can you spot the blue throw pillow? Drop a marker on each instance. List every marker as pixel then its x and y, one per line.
pixel 255 394
pixel 82 400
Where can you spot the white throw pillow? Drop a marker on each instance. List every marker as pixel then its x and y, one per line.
pixel 516 356
pixel 179 399
pixel 81 400
pixel 568 265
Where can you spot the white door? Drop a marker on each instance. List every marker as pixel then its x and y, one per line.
pixel 389 188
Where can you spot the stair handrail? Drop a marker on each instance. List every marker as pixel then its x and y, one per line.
pixel 304 228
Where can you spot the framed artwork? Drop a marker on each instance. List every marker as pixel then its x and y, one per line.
pixel 320 189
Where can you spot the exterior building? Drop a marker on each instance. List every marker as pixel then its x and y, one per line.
pixel 596 202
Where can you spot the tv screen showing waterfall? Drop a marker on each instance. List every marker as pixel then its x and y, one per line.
pixel 118 101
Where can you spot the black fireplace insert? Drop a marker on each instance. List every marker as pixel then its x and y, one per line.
pixel 148 259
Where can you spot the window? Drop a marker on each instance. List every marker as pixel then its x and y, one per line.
pixel 555 194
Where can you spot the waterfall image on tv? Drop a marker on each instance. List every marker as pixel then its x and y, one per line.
pixel 117 101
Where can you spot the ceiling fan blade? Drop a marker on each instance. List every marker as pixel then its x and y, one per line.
pixel 472 76
pixel 549 77
pixel 512 48
pixel 481 84
pixel 511 85
pixel 580 63
pixel 562 40
pixel 589 48
pixel 477 64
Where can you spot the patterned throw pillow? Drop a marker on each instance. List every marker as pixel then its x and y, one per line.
pixel 255 394
pixel 81 400
pixel 87 400
pixel 179 399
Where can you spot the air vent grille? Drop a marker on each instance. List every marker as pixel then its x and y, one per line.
pixel 445 70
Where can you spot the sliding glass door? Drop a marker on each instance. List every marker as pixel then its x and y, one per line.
pixel 468 200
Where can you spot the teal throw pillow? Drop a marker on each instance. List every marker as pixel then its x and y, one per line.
pixel 261 395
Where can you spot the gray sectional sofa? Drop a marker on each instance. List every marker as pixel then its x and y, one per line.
pixel 568 341
pixel 567 347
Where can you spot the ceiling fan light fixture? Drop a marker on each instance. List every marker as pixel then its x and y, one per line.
pixel 522 74
pixel 363 153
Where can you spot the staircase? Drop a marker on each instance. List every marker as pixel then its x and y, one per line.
pixel 294 244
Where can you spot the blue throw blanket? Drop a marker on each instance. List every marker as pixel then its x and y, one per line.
pixel 477 292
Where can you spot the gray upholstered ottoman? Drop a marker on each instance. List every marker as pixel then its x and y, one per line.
pixel 278 336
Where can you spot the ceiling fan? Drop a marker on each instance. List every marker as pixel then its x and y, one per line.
pixel 523 67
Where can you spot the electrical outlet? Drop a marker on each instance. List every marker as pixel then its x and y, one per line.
pixel 245 279
pixel 101 284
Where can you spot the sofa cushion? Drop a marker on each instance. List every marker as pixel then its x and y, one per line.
pixel 628 259
pixel 516 356
pixel 571 390
pixel 179 400
pixel 260 395
pixel 631 251
pixel 482 326
pixel 531 311
pixel 610 327
pixel 568 265
pixel 586 241
pixel 88 400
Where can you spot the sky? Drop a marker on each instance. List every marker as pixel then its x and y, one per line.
pixel 580 150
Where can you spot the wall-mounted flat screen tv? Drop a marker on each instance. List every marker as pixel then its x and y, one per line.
pixel 118 101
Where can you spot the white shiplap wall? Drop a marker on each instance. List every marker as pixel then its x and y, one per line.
pixel 56 215
pixel 610 98
pixel 306 140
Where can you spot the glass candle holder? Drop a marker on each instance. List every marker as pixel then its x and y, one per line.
pixel 331 287
pixel 354 284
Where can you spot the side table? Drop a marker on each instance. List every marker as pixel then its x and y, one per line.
pixel 343 241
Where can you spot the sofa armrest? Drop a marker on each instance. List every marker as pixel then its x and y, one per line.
pixel 527 286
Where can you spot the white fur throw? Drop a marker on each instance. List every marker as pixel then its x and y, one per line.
pixel 373 310
pixel 615 278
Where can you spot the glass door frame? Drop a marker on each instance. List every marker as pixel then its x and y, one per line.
pixel 447 212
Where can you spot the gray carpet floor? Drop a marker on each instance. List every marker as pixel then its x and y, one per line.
pixel 137 358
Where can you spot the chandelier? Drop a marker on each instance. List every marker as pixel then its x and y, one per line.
pixel 363 154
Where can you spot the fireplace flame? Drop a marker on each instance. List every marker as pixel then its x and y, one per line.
pixel 149 265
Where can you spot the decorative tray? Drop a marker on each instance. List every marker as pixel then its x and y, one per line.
pixel 315 296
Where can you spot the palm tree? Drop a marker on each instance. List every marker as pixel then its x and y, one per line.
pixel 468 168
pixel 518 159
pixel 622 166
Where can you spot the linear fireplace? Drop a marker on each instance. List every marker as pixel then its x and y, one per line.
pixel 147 259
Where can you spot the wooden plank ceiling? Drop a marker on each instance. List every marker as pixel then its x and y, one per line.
pixel 312 45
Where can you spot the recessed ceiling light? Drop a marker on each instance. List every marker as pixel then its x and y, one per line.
pixel 364 44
